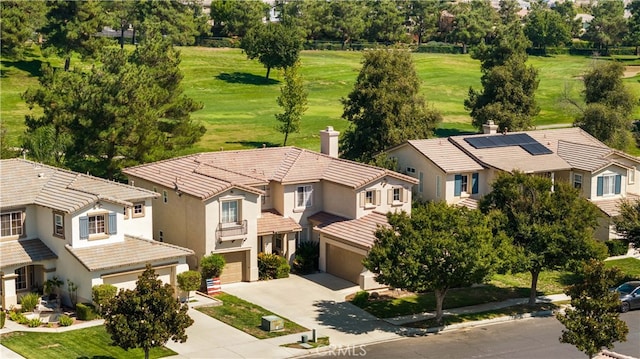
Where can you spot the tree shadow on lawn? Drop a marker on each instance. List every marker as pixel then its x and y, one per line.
pixel 245 78
pixel 254 144
pixel 33 67
pixel 447 132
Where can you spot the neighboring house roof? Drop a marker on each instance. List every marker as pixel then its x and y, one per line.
pixel 204 175
pixel 359 231
pixel 611 207
pixel 584 157
pixel 444 154
pixel 23 252
pixel 132 251
pixel 272 222
pixel 25 183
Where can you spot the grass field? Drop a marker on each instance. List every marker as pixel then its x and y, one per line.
pixel 239 104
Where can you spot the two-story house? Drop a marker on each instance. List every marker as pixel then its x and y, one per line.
pixel 80 228
pixel 241 203
pixel 460 169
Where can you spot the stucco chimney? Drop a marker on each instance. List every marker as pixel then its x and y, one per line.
pixel 489 128
pixel 329 141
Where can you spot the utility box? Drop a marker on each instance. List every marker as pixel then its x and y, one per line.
pixel 272 323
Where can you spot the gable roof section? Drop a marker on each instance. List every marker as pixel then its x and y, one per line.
pixel 271 222
pixel 24 252
pixel 611 207
pixel 25 182
pixel 206 174
pixel 359 231
pixel 444 154
pixel 583 156
pixel 132 251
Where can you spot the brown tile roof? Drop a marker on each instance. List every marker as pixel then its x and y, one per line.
pixel 446 155
pixel 359 231
pixel 610 207
pixel 584 157
pixel 132 251
pixel 24 252
pixel 272 222
pixel 25 182
pixel 206 174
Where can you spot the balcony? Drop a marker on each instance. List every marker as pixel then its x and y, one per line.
pixel 231 231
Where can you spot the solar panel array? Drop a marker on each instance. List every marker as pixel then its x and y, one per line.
pixel 523 140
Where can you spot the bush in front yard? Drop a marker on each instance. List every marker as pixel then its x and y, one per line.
pixel 29 302
pixel 360 299
pixel 189 280
pixel 34 323
pixel 307 255
pixel 102 294
pixel 617 247
pixel 86 311
pixel 272 266
pixel 65 320
pixel 3 317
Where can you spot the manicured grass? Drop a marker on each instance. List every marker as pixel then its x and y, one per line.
pixel 629 266
pixel 549 282
pixel 239 104
pixel 247 317
pixel 91 342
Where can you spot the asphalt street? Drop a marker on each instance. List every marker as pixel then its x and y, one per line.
pixel 521 339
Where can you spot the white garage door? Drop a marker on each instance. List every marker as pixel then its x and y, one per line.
pixel 128 280
pixel 344 263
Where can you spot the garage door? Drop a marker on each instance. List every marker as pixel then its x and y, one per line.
pixel 234 268
pixel 128 280
pixel 344 264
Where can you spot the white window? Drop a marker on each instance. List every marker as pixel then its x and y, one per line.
pixel 138 209
pixel 369 197
pixel 464 184
pixel 577 180
pixel 230 212
pixel 632 175
pixel 303 196
pixel 12 224
pixel 438 185
pixel 165 196
pixel 608 185
pixel 97 224
pixel 397 194
pixel 21 280
pixel 58 225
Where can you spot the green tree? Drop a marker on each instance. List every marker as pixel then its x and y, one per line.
pixel 126 111
pixel 273 44
pixel 438 247
pixel 633 31
pixel 552 228
pixel 19 22
pixel 508 11
pixel 345 21
pixel 628 221
pixel 545 27
pixel 608 26
pixel 593 321
pixel 46 144
pixel 236 17
pixel 423 16
pixel 147 316
pixel 72 27
pixel 386 22
pixel 567 11
pixel 293 100
pixel 472 23
pixel 509 85
pixel 384 107
pixel 609 105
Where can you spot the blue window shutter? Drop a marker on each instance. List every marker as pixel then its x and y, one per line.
pixel 457 187
pixel 84 227
pixel 113 223
pixel 600 185
pixel 618 184
pixel 474 183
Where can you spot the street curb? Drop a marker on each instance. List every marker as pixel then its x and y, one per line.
pixel 479 323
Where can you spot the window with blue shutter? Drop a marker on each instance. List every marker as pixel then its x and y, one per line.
pixel 599 190
pixel 474 183
pixel 84 227
pixel 457 187
pixel 618 184
pixel 113 224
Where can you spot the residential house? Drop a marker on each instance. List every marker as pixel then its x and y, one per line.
pixel 241 203
pixel 58 223
pixel 460 169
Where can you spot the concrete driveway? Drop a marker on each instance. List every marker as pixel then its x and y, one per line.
pixel 316 301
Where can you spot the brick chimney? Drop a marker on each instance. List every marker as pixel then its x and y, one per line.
pixel 329 141
pixel 490 128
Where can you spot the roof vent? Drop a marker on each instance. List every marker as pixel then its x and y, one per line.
pixel 41 175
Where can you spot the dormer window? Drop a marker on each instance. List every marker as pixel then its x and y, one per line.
pixel 98 225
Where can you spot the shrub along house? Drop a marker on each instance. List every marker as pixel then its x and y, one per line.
pixel 241 203
pixel 58 223
pixel 460 169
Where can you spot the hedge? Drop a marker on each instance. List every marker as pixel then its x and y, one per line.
pixel 86 311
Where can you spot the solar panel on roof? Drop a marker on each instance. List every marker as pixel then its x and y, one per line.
pixel 536 149
pixel 515 139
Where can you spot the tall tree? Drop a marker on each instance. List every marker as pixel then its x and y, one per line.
pixel 437 248
pixel 608 26
pixel 236 17
pixel 509 85
pixel 552 228
pixel 72 27
pixel 508 11
pixel 609 105
pixel 423 18
pixel 293 100
pixel 545 27
pixel 593 321
pixel 129 110
pixel 147 316
pixel 273 44
pixel 472 23
pixel 567 11
pixel 633 30
pixel 345 21
pixel 19 21
pixel 386 22
pixel 628 222
pixel 384 107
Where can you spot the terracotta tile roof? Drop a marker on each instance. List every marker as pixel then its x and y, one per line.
pixel 132 251
pixel 445 155
pixel 359 231
pixel 25 182
pixel 272 222
pixel 610 207
pixel 23 252
pixel 206 174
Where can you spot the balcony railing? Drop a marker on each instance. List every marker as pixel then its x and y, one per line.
pixel 231 231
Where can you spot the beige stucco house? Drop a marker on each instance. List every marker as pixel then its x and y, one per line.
pixel 460 169
pixel 241 203
pixel 88 230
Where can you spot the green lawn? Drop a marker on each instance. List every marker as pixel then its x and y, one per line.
pixel 247 317
pixel 87 343
pixel 239 104
pixel 629 266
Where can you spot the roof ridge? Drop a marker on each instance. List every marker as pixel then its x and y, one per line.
pixel 283 161
pixel 163 161
pixel 153 241
pixel 223 169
